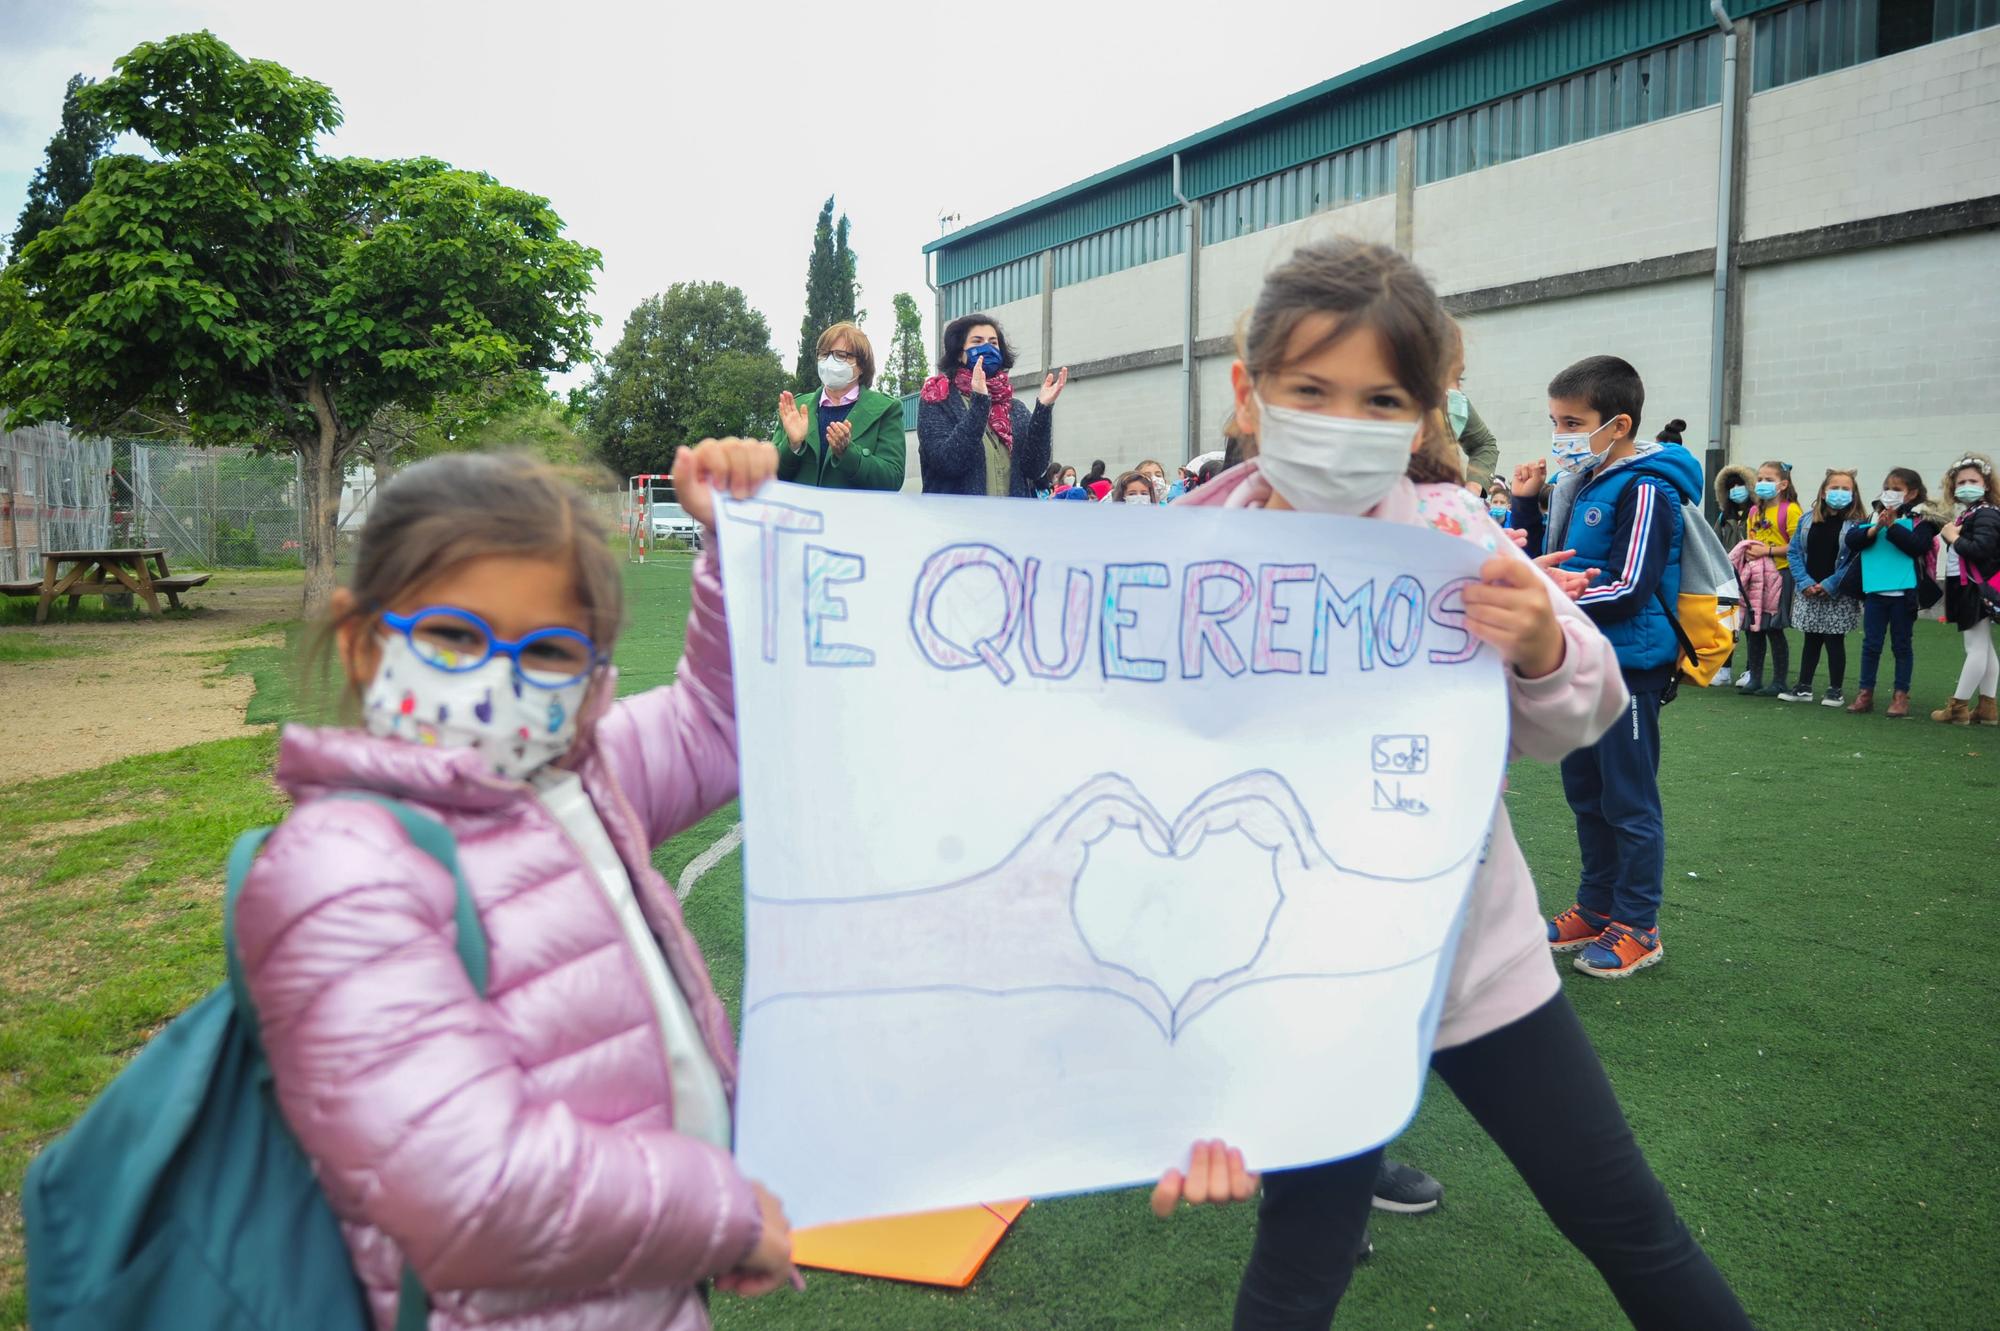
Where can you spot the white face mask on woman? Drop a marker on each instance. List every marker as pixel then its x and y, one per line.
pixel 835 374
pixel 1331 464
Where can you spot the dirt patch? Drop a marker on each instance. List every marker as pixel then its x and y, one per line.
pixel 139 687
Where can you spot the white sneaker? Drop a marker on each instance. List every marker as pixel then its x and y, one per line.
pixel 1744 683
pixel 1722 677
pixel 1833 698
pixel 1796 695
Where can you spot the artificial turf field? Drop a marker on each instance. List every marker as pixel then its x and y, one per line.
pixel 1812 1068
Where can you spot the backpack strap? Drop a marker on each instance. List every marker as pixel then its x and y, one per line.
pixel 433 838
pixel 1680 633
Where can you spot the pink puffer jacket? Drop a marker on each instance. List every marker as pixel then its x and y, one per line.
pixel 1502 971
pixel 1763 586
pixel 518 1151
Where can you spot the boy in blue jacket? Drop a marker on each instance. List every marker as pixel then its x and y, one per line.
pixel 1616 504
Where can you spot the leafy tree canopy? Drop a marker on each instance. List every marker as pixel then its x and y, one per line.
pixel 64 175
pixel 264 293
pixel 693 362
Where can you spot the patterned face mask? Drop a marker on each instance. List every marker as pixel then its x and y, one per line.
pixel 517 726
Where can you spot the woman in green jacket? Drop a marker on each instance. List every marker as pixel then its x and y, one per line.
pixel 847 436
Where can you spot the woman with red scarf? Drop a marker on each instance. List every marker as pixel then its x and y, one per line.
pixel 973 436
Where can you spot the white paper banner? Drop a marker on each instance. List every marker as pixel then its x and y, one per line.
pixel 1074 834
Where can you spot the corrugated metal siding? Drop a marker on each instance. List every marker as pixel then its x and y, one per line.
pixel 1128 246
pixel 1117 203
pixel 1331 182
pixel 996 286
pixel 1801 40
pixel 1955 18
pixel 1637 90
pixel 1542 48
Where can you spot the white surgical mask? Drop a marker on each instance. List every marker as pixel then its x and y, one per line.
pixel 1890 499
pixel 1571 452
pixel 1457 409
pixel 515 726
pixel 1969 494
pixel 835 374
pixel 1331 464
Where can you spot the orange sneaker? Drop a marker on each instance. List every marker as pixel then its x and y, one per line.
pixel 1575 929
pixel 1619 951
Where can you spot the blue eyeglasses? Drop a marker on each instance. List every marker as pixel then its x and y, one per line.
pixel 457 640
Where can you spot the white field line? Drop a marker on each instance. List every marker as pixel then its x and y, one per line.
pixel 707 860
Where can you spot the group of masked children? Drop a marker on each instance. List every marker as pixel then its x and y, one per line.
pixel 557 1150
pixel 1844 562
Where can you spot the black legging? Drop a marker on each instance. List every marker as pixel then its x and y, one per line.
pixel 1836 659
pixel 1537 1089
pixel 1781 655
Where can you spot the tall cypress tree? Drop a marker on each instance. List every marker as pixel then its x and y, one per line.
pixel 64 176
pixel 830 291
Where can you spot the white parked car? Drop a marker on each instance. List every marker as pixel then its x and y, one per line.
pixel 670 520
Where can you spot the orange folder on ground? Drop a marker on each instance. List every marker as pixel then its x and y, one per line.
pixel 931 1248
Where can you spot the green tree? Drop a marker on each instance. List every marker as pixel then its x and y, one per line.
pixel 904 368
pixel 64 176
pixel 239 281
pixel 693 362
pixel 831 292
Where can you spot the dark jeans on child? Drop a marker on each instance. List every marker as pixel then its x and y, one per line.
pixel 1538 1090
pixel 1893 613
pixel 1613 787
pixel 1781 656
pixel 1836 659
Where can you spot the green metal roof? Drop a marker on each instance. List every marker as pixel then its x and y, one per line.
pixel 1508 51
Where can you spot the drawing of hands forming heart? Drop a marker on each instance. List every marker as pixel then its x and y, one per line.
pixel 1105 897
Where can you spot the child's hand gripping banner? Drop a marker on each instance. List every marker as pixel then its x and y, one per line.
pixel 1075 835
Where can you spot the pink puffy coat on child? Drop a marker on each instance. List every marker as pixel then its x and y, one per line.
pixel 1762 584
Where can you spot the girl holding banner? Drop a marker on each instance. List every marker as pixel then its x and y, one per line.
pixel 1343 358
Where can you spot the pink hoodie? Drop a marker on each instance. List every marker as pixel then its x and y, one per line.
pixel 1503 970
pixel 519 1151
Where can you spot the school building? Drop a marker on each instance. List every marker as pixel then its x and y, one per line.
pixel 1786 214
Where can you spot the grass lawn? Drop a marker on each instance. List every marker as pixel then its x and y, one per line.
pixel 1812 1069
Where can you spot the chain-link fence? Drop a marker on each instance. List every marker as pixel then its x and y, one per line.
pixel 217 507
pixel 55 494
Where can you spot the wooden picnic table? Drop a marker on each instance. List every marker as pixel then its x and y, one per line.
pixel 101 572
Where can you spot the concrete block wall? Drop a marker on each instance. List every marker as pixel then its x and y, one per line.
pixel 1021 321
pixel 1510 356
pixel 1880 358
pixel 1132 310
pixel 1231 271
pixel 1123 418
pixel 1910 130
pixel 1637 194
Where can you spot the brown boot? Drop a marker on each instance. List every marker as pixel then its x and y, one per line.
pixel 1899 703
pixel 1954 713
pixel 1864 701
pixel 1987 713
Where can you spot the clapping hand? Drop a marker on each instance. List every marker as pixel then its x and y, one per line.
pixel 837 436
pixel 979 377
pixel 1573 584
pixel 1052 386
pixel 1530 478
pixel 793 417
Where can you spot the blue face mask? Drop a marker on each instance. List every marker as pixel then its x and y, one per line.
pixel 1767 489
pixel 986 352
pixel 1739 494
pixel 1839 499
pixel 1499 511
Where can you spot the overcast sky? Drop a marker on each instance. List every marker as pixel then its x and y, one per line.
pixel 695 139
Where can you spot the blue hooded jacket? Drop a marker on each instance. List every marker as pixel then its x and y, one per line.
pixel 1624 521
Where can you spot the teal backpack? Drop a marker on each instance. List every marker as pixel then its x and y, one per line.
pixel 181 1199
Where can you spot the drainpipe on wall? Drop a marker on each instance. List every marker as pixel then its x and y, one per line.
pixel 1725 182
pixel 937 309
pixel 1187 317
